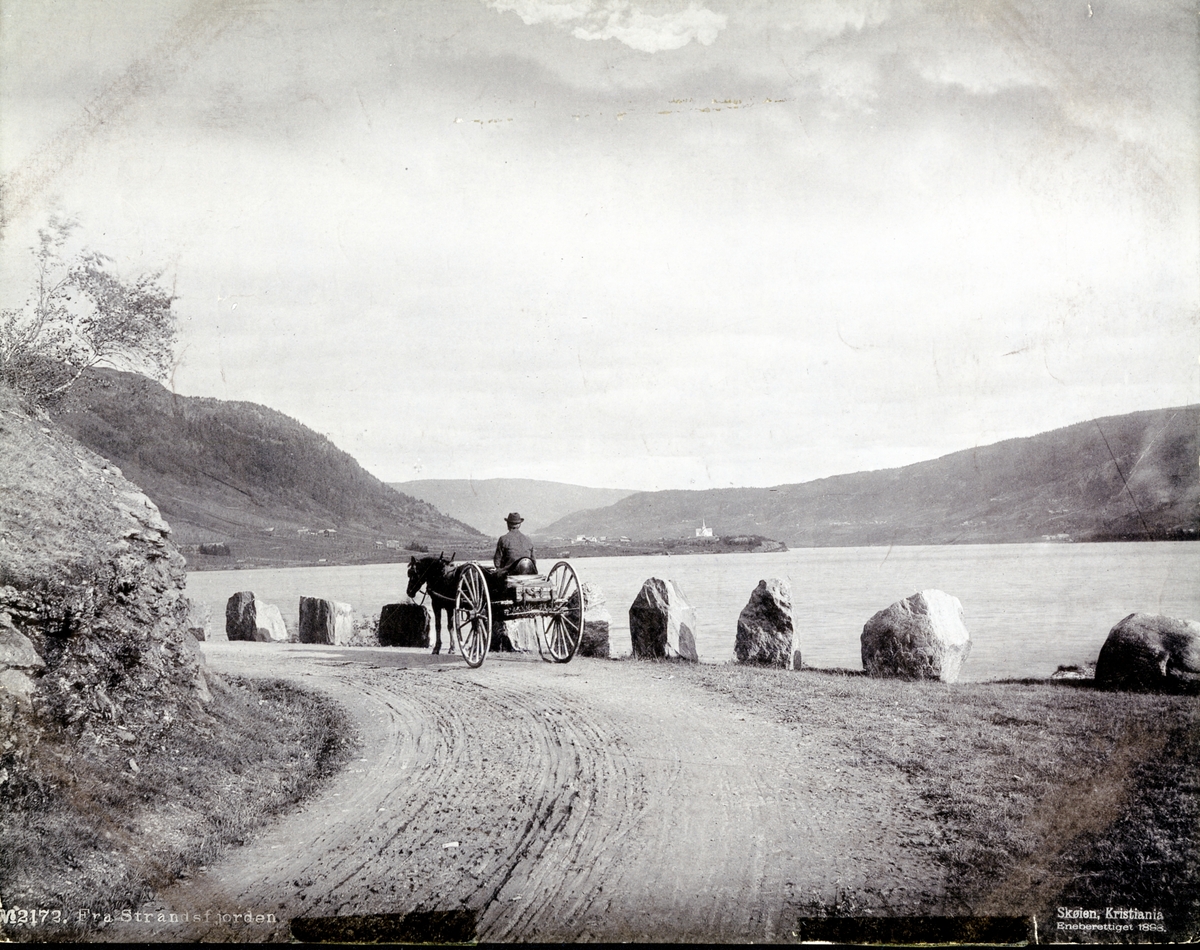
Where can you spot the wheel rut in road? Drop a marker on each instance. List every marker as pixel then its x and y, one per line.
pixel 599 800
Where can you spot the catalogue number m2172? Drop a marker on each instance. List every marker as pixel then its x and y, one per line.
pixel 30 916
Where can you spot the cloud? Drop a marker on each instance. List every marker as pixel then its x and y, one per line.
pixel 622 21
pixel 545 11
pixel 829 18
pixel 649 33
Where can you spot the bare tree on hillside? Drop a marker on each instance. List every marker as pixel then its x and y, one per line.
pixel 80 314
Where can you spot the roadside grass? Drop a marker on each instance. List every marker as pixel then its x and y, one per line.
pixel 1041 793
pixel 84 831
pixel 1150 856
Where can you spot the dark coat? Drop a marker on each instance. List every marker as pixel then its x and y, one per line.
pixel 511 548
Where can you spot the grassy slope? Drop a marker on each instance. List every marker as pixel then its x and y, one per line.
pixel 228 471
pixel 85 831
pixel 1043 793
pixel 1061 482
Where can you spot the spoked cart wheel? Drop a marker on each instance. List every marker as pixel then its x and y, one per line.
pixel 473 615
pixel 564 623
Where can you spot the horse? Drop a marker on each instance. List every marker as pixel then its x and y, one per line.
pixel 439 576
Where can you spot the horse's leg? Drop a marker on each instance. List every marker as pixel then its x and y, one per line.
pixel 437 624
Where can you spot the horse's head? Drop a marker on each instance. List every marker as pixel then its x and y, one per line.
pixel 416 576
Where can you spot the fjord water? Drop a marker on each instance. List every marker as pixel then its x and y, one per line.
pixel 1029 607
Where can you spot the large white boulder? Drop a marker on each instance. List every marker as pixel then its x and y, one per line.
pixel 1149 652
pixel 247 618
pixel 269 625
pixel 922 637
pixel 325 621
pixel 596 623
pixel 662 623
pixel 519 635
pixel 199 620
pixel 765 633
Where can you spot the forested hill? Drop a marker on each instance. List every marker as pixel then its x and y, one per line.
pixel 1127 477
pixel 250 477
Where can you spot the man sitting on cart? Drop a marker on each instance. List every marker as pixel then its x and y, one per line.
pixel 514 551
pixel 514 555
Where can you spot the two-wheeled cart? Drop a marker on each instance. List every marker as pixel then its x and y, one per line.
pixel 554 601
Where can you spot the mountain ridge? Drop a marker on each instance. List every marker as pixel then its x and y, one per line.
pixel 248 477
pixel 1116 477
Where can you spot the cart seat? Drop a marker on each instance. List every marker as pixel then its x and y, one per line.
pixel 523 566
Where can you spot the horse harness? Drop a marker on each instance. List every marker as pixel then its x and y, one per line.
pixel 428 591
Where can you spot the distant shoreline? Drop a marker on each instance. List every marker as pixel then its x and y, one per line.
pixel 681 547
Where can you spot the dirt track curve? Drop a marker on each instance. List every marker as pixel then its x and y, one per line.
pixel 598 800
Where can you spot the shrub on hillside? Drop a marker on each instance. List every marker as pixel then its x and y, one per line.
pixel 81 313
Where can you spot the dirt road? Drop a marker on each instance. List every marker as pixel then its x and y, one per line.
pixel 597 800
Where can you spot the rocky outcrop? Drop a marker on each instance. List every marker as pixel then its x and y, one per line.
pixel 325 621
pixel 19 664
pixel 404 625
pixel 662 623
pixel 596 623
pixel 922 637
pixel 765 633
pixel 1151 653
pixel 93 616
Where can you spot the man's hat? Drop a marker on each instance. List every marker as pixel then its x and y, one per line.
pixel 513 519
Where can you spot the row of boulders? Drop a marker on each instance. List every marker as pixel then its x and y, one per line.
pixel 407 624
pixel 320 620
pixel 922 637
pixel 662 625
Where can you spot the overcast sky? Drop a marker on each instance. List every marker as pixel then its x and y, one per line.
pixel 634 243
